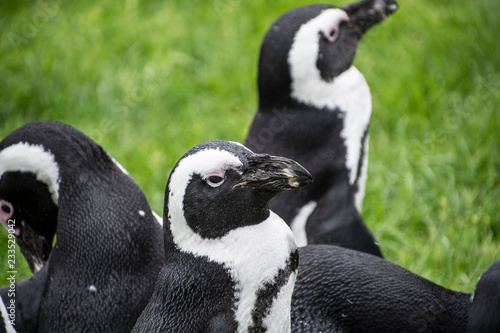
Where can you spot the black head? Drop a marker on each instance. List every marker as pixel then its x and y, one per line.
pixel 312 43
pixel 219 186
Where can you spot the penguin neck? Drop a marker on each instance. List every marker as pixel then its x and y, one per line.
pixel 350 94
pixel 262 261
pixel 348 91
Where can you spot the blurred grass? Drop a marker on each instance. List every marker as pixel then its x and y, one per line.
pixel 150 79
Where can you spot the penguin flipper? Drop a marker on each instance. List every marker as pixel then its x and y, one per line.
pixel 188 296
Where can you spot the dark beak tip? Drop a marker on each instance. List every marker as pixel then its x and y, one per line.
pixel 389 7
pixel 382 7
pixel 275 173
pixel 392 6
pixel 36 249
pixel 300 180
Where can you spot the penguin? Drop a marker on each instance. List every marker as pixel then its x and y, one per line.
pixel 220 250
pixel 315 107
pixel 231 262
pixel 484 315
pixel 101 272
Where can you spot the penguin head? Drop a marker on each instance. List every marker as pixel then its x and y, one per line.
pixel 217 204
pixel 314 43
pixel 219 186
pixel 29 180
pixel 32 160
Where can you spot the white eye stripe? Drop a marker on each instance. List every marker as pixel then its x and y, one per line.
pixel 201 163
pixel 304 50
pixel 331 32
pixel 25 157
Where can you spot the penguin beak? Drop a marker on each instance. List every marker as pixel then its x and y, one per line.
pixel 273 173
pixel 34 247
pixel 366 13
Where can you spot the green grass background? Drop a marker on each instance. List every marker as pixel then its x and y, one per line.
pixel 150 79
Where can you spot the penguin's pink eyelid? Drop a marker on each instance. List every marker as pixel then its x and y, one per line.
pixel 215 177
pixel 331 36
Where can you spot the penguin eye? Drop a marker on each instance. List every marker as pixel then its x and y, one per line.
pixel 215 178
pixel 331 35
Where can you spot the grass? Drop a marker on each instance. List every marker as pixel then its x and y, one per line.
pixel 150 79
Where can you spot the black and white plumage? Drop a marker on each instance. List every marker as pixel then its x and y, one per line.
pixel 315 107
pixel 231 262
pixel 212 239
pixel 484 315
pixel 101 272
